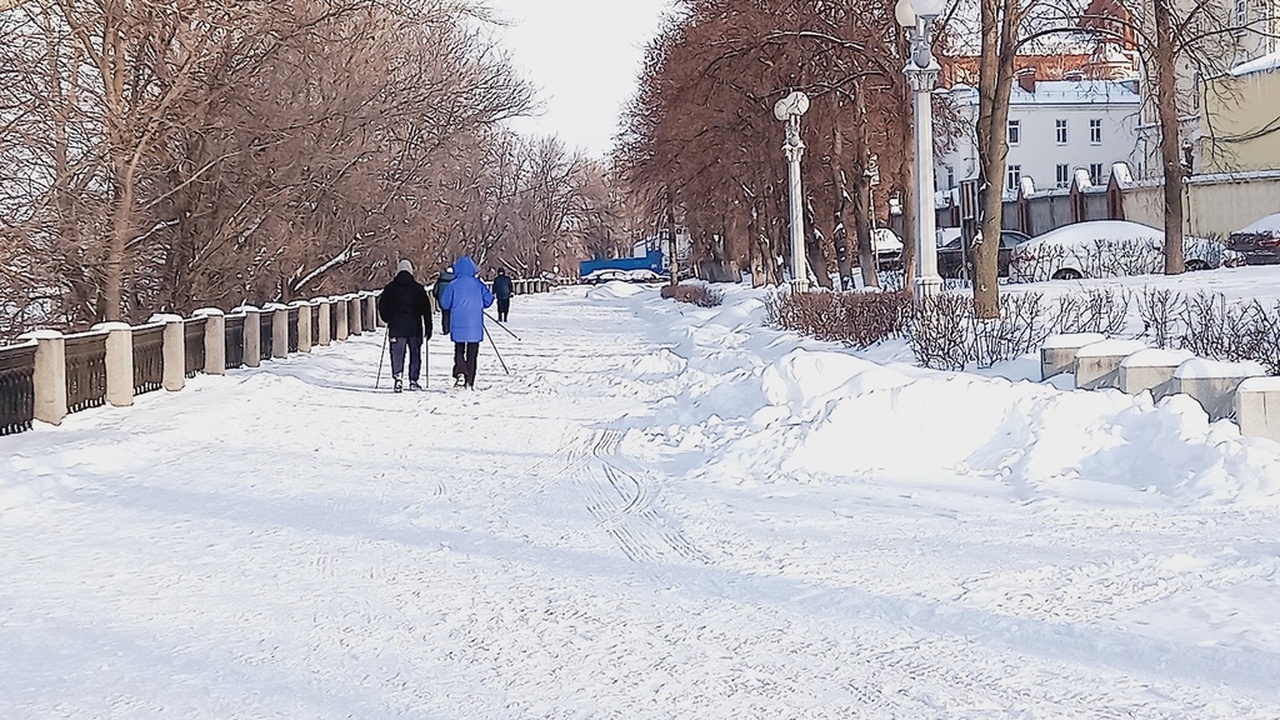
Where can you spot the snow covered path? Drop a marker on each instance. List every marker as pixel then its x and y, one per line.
pixel 594 536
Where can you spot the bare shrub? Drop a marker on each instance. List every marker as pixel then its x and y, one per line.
pixel 700 295
pixel 1217 329
pixel 1098 310
pixel 940 335
pixel 1019 330
pixel 860 319
pixel 1160 310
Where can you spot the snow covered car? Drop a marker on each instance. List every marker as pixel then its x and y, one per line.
pixel 952 262
pixel 1259 243
pixel 1107 248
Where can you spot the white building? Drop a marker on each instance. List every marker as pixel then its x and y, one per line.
pixel 1055 128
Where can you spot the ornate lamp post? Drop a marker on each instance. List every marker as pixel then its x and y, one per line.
pixel 922 72
pixel 788 110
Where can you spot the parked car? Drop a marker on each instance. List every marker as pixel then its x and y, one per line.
pixel 1259 243
pixel 1107 248
pixel 951 260
pixel 887 247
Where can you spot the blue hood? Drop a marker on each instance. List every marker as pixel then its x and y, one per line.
pixel 465 267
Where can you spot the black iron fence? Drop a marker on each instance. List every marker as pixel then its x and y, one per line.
pixel 193 331
pixel 333 320
pixel 235 341
pixel 315 324
pixel 86 356
pixel 293 330
pixel 148 359
pixel 266 321
pixel 17 388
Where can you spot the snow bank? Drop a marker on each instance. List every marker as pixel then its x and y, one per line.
pixel 614 290
pixel 756 405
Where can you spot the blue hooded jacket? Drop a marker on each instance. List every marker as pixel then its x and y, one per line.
pixel 466 298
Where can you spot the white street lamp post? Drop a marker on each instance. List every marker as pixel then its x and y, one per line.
pixel 922 72
pixel 789 109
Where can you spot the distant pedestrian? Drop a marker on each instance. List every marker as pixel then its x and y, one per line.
pixel 442 282
pixel 406 310
pixel 502 290
pixel 465 298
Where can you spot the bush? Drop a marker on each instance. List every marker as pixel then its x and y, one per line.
pixel 1097 310
pixel 947 335
pixel 860 319
pixel 700 295
pixel 1217 329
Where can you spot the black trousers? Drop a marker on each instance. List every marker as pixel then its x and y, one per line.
pixel 444 321
pixel 414 347
pixel 464 361
pixel 504 308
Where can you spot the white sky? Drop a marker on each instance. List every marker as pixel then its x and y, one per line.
pixel 584 55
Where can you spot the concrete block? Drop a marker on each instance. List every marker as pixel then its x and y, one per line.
pixel 279 329
pixel 1098 364
pixel 325 336
pixel 1213 384
pixel 355 315
pixel 252 335
pixel 119 362
pixel 1058 354
pixel 304 325
pixel 1258 407
pixel 175 351
pixel 1152 370
pixel 50 376
pixel 343 330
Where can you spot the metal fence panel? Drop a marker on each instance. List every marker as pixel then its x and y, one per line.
pixel 267 318
pixel 194 340
pixel 86 356
pixel 17 388
pixel 235 341
pixel 293 330
pixel 148 359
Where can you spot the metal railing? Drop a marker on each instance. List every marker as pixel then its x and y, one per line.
pixel 293 330
pixel 193 340
pixel 266 320
pixel 315 324
pixel 17 388
pixel 86 355
pixel 148 359
pixel 235 341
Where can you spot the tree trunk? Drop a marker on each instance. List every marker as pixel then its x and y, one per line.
pixel 1170 147
pixel 995 85
pixel 815 248
pixel 839 229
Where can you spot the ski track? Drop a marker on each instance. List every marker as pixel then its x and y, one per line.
pixel 286 542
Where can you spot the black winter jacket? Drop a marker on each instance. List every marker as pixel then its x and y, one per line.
pixel 405 307
pixel 502 287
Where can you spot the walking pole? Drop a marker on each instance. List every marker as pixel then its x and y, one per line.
pixel 495 351
pixel 504 327
pixel 426 361
pixel 382 355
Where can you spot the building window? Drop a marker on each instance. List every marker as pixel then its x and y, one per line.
pixel 1060 130
pixel 1095 132
pixel 1064 176
pixel 1095 173
pixel 1015 132
pixel 951 178
pixel 1242 13
pixel 1013 178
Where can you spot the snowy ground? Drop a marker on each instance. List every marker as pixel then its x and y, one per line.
pixel 664 512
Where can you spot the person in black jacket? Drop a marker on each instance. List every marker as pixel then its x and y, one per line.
pixel 442 282
pixel 406 309
pixel 502 291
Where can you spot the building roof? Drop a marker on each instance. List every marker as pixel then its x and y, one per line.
pixel 1069 92
pixel 1267 63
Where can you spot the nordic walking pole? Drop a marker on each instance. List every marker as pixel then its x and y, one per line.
pixel 504 327
pixel 495 351
pixel 382 355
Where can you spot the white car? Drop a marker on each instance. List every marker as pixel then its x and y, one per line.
pixel 1106 248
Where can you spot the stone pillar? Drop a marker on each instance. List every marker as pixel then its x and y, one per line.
pixel 1258 407
pixel 50 376
pixel 369 301
pixel 304 325
pixel 321 305
pixel 252 335
pixel 119 363
pixel 1058 354
pixel 215 340
pixel 175 351
pixel 1098 365
pixel 279 329
pixel 343 331
pixel 355 314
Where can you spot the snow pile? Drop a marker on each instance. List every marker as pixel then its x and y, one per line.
pixel 759 405
pixel 615 289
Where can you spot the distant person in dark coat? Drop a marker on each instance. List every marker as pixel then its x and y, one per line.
pixel 502 291
pixel 406 309
pixel 466 298
pixel 442 282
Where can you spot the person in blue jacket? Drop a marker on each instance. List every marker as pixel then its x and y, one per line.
pixel 465 298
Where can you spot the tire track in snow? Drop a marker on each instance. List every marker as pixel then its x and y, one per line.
pixel 622 502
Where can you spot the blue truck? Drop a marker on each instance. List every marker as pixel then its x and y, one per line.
pixel 650 267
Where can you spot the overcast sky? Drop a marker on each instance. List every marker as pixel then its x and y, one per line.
pixel 584 55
